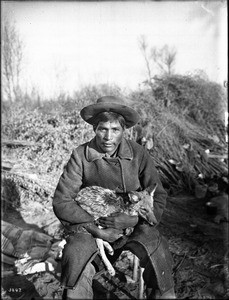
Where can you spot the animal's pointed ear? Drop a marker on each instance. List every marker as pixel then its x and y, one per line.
pixel 152 189
pixel 133 198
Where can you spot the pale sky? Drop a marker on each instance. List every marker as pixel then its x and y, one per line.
pixel 72 44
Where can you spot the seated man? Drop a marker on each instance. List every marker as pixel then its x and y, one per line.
pixel 111 161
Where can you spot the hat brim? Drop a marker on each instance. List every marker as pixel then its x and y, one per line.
pixel 89 112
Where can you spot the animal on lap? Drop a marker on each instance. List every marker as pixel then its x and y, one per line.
pixel 101 202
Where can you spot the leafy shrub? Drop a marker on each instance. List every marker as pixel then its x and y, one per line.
pixel 10 194
pixel 199 100
pixel 177 136
pixel 54 137
pixel 56 127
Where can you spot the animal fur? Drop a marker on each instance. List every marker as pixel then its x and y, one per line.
pixel 101 202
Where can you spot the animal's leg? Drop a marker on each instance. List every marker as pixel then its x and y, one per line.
pixel 109 248
pixel 107 263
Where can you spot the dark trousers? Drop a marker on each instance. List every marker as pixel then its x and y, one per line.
pixel 145 242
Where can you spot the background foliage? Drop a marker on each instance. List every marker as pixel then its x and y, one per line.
pixel 175 110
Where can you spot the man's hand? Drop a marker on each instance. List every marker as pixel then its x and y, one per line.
pixel 110 234
pixel 118 221
pixel 107 234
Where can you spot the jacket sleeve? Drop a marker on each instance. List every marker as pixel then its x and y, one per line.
pixel 64 206
pixel 149 177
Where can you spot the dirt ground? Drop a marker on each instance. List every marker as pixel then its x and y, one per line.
pixel 198 246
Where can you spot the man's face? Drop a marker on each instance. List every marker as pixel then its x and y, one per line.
pixel 108 136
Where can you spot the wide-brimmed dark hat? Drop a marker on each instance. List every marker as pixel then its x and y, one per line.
pixel 110 104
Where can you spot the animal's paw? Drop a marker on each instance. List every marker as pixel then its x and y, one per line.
pixel 108 247
pixel 111 271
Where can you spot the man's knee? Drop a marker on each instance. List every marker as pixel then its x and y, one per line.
pixel 78 248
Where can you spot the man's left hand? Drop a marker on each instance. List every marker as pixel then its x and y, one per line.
pixel 118 221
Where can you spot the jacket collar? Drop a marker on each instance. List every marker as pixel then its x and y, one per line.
pixel 124 151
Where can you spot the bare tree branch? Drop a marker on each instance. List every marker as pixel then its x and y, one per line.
pixel 143 45
pixel 12 57
pixel 161 59
pixel 164 58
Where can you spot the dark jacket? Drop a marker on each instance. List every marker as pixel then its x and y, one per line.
pixel 132 169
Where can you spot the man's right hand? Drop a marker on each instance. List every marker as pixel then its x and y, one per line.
pixel 110 234
pixel 107 234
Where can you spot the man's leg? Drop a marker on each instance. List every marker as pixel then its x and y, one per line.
pixel 79 250
pixel 149 276
pixel 160 260
pixel 83 288
pixel 153 252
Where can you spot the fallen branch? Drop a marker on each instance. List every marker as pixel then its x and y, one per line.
pixel 179 264
pixel 7 166
pixel 17 143
pixel 28 183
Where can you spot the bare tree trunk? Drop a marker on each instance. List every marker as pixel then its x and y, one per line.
pixel 12 56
